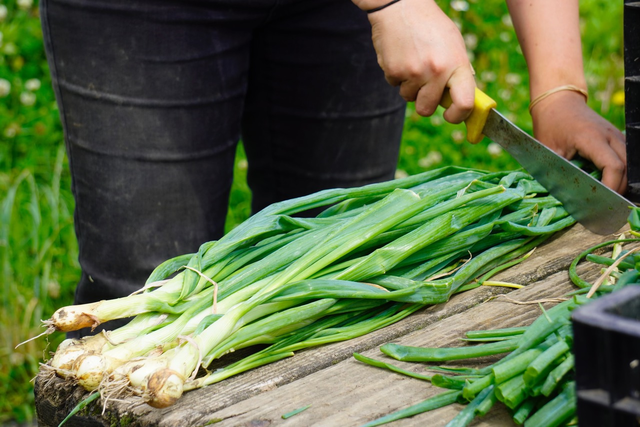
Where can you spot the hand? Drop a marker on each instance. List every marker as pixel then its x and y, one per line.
pixel 422 51
pixel 565 123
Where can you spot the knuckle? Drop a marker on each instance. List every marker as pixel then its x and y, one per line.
pixel 438 67
pixel 424 110
pixel 454 119
pixel 618 166
pixel 394 70
pixel 466 105
pixel 560 151
pixel 408 97
pixel 414 71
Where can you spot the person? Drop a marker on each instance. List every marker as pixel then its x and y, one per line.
pixel 424 59
pixel 155 94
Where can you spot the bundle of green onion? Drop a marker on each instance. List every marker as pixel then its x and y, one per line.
pixel 373 256
pixel 536 379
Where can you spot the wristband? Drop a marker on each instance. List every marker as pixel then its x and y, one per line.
pixel 558 89
pixel 375 9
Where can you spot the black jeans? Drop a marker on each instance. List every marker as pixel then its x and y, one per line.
pixel 154 96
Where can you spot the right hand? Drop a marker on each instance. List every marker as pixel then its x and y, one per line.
pixel 422 51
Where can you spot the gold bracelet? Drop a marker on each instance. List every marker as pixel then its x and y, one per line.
pixel 558 89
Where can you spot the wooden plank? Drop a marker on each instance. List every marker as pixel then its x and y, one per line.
pixel 53 403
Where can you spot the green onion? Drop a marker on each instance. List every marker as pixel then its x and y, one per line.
pixel 375 255
pixel 481 403
pixel 295 412
pixel 390 367
pixel 524 410
pixel 543 364
pixel 496 333
pixel 557 411
pixel 557 374
pixel 439 401
pixel 420 354
pixel 539 360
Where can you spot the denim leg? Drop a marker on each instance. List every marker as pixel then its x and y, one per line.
pixel 319 113
pixel 150 97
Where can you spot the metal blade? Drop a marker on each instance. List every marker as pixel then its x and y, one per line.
pixel 591 203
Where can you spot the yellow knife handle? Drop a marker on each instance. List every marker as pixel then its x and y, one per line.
pixel 482 105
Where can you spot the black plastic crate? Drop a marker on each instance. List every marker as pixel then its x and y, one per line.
pixel 632 95
pixel 607 351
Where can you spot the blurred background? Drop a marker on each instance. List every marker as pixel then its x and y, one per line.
pixel 38 250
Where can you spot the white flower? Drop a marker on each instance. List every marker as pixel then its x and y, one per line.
pixel 504 94
pixel 460 5
pixel 471 56
pixel 513 79
pixel 10 49
pixel 5 88
pixel 10 132
pixel 471 40
pixel 32 84
pixel 16 359
pixel 506 20
pixel 505 36
pixel 243 164
pixel 401 174
pixel 457 135
pixel 53 289
pixel 3 12
pixel 25 4
pixel 436 120
pixel 488 76
pixel 0 36
pixel 592 80
pixel 432 159
pixel 494 149
pixel 27 99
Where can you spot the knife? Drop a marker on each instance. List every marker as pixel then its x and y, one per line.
pixel 592 204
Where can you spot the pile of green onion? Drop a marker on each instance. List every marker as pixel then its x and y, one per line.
pixel 283 281
pixel 535 380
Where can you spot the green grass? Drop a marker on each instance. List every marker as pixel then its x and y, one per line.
pixel 38 250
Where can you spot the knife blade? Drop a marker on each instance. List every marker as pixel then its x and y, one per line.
pixel 591 203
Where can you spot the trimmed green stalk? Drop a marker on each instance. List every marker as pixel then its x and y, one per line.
pixel 435 402
pixel 515 366
pixel 543 364
pixel 390 367
pixel 484 400
pixel 453 383
pixel 524 410
pixel 471 390
pixel 496 333
pixel 557 374
pixel 512 392
pixel 557 411
pixel 421 354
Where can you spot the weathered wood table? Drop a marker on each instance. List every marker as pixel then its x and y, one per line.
pixel 341 390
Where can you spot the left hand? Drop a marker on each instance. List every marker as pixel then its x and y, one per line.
pixel 566 124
